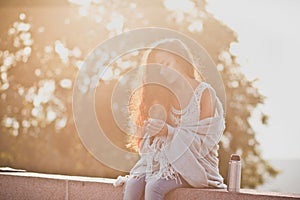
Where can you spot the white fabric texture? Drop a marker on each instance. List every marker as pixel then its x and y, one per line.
pixel 189 149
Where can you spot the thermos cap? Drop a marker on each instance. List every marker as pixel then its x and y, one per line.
pixel 235 157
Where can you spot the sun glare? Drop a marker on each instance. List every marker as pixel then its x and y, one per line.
pixel 62 51
pixel 179 5
pixel 81 2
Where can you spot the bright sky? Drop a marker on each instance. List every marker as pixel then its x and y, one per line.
pixel 269 49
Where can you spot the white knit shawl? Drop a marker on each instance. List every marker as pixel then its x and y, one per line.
pixel 189 150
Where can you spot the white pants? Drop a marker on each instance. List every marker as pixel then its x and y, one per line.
pixel 136 188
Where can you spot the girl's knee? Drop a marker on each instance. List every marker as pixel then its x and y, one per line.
pixel 134 188
pixel 153 191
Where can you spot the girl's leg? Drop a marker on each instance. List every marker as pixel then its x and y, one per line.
pixel 134 188
pixel 157 189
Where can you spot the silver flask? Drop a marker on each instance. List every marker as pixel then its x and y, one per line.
pixel 234 173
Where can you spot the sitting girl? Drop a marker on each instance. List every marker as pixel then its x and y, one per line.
pixel 178 148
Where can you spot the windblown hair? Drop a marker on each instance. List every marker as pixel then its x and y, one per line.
pixel 150 94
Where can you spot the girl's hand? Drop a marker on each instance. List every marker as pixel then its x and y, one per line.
pixel 156 127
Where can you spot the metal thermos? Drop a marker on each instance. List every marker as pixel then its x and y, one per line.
pixel 234 173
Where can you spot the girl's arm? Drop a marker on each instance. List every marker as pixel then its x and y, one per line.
pixel 207 105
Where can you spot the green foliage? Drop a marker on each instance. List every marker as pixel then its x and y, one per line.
pixel 42 48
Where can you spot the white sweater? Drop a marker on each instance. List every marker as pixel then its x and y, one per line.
pixel 190 149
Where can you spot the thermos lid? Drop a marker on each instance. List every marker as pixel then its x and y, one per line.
pixel 235 157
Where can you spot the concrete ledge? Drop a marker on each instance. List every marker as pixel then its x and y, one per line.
pixel 24 185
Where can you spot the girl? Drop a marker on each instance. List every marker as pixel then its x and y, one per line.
pixel 178 148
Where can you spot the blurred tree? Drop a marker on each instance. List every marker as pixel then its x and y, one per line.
pixel 44 44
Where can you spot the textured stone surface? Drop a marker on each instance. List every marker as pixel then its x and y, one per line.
pixel 26 187
pixel 218 194
pixel 21 185
pixel 93 190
